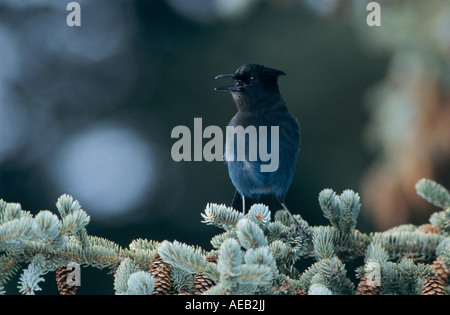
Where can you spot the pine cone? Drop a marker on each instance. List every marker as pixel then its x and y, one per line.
pixel 299 291
pixel 162 273
pixel 441 271
pixel 201 282
pixel 61 280
pixel 211 259
pixel 428 228
pixel 433 286
pixel 367 287
pixel 282 288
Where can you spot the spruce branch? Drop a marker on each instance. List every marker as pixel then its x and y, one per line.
pixel 16 230
pixel 443 252
pixel 11 211
pixel 347 246
pixel 349 205
pixel 250 234
pixel 8 267
pixel 73 216
pixel 230 259
pixel 260 214
pixel 404 244
pixel 217 240
pixel 126 268
pixel 261 256
pixel 183 256
pixel 319 289
pixel 433 193
pixel 32 276
pixel 221 216
pixel 253 255
pixel 323 245
pixel 74 222
pixel 280 251
pixel 376 252
pixel 254 275
pixel 143 244
pixel 343 210
pixel 441 221
pixel 333 273
pixel 140 283
pixel 48 227
pixel 329 203
pixel 216 290
pixel 183 281
pixel 66 205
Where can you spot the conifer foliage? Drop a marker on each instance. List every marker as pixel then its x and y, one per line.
pixel 256 253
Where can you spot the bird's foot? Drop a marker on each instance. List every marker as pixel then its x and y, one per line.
pixel 297 228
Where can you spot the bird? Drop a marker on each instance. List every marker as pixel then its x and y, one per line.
pixel 259 103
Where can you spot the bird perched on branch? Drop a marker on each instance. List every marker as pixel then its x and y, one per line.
pixel 259 104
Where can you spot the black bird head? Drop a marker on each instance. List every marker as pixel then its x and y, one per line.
pixel 253 83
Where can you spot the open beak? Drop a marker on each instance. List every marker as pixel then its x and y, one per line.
pixel 236 87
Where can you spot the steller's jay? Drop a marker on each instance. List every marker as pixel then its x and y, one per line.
pixel 259 103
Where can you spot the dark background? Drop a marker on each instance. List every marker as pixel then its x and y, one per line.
pixel 89 110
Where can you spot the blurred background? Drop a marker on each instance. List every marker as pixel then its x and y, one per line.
pixel 89 110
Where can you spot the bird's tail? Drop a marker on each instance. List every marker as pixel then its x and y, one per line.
pixel 249 202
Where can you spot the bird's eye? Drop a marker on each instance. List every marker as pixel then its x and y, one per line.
pixel 252 78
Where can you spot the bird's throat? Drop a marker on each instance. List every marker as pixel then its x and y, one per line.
pixel 244 103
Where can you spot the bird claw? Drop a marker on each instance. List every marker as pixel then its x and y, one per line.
pixel 297 228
